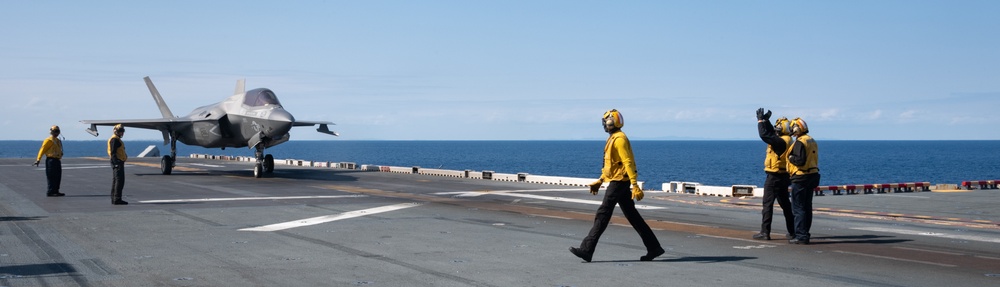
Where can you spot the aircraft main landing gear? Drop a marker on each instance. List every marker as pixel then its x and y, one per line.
pixel 268 163
pixel 166 165
pixel 168 161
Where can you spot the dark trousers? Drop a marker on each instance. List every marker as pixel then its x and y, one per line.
pixel 619 193
pixel 802 203
pixel 776 188
pixel 118 182
pixel 53 174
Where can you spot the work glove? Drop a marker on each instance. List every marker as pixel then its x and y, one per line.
pixel 595 186
pixel 36 163
pixel 763 116
pixel 637 192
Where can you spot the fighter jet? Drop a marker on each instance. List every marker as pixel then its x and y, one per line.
pixel 253 119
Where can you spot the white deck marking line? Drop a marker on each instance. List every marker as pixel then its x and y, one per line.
pixel 479 193
pixel 205 165
pixel 894 258
pixel 551 216
pixel 573 200
pixel 927 250
pixel 42 163
pixel 932 234
pixel 250 198
pixel 329 218
pixel 731 238
pixel 516 193
pixel 894 195
pixel 80 167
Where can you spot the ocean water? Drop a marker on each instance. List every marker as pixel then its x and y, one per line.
pixel 719 163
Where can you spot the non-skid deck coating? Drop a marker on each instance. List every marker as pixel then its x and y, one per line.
pixel 212 224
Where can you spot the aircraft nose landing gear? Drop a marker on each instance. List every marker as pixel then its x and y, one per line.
pixel 265 163
pixel 258 170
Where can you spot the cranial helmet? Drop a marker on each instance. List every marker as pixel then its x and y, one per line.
pixel 613 118
pixel 799 126
pixel 783 126
pixel 54 129
pixel 118 128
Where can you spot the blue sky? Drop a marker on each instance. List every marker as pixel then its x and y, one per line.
pixel 514 70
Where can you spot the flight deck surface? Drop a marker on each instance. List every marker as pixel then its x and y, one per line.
pixel 211 223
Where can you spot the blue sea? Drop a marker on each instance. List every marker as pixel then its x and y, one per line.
pixel 719 163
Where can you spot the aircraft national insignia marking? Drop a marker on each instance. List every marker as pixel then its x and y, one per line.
pixel 255 125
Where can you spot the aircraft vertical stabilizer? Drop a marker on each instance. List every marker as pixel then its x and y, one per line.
pixel 164 110
pixel 240 87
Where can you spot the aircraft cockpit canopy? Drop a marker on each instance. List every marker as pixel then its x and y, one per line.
pixel 260 98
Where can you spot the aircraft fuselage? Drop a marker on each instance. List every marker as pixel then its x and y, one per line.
pixel 233 123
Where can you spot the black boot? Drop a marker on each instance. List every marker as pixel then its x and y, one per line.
pixel 652 254
pixel 580 253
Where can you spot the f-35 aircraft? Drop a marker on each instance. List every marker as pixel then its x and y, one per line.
pixel 253 119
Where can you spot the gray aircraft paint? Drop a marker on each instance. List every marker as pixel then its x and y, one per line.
pixel 253 119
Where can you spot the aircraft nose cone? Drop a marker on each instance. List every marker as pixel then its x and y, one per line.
pixel 281 116
pixel 280 122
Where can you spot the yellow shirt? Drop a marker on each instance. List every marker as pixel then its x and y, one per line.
pixel 51 148
pixel 811 154
pixel 619 163
pixel 777 163
pixel 116 148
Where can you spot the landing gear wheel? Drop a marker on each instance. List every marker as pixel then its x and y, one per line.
pixel 258 170
pixel 166 165
pixel 268 163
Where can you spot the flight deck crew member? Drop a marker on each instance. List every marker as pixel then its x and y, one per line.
pixel 777 181
pixel 620 173
pixel 803 166
pixel 116 152
pixel 53 152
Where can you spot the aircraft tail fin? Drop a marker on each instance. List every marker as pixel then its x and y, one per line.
pixel 240 87
pixel 159 100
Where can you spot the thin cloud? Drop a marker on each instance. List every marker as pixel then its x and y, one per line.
pixel 908 116
pixel 877 114
pixel 829 114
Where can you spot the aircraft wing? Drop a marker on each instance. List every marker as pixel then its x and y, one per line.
pixel 323 126
pixel 161 124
